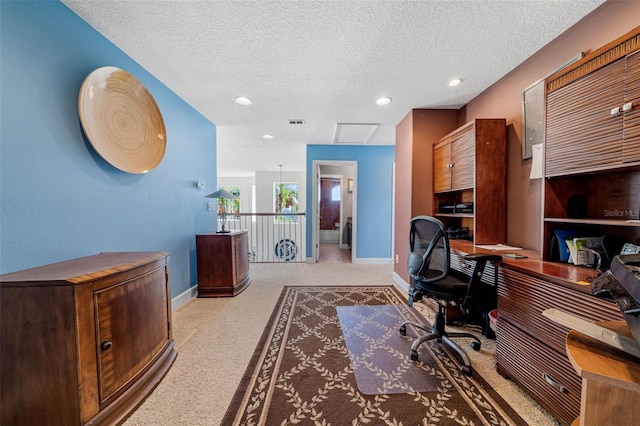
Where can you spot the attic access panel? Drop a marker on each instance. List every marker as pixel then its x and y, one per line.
pixel 354 133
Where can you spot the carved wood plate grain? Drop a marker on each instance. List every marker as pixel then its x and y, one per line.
pixel 122 120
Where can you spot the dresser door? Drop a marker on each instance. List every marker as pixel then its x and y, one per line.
pixel 133 327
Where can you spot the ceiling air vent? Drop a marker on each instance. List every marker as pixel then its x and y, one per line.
pixel 354 133
pixel 296 121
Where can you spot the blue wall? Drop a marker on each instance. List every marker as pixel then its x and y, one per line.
pixel 59 199
pixel 374 191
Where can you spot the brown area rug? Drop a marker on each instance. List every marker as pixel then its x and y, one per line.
pixel 301 374
pixel 379 354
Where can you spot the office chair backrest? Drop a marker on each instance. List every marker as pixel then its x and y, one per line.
pixel 428 249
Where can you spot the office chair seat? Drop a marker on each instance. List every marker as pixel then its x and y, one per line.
pixel 448 288
pixel 428 266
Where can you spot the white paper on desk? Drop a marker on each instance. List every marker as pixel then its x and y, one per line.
pixel 536 162
pixel 498 247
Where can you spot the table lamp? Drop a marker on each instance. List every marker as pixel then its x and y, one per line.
pixel 222 216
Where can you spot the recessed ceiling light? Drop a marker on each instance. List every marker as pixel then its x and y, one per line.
pixel 243 100
pixel 454 82
pixel 383 101
pixel 267 136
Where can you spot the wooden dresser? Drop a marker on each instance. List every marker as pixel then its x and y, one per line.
pixel 223 263
pixel 84 341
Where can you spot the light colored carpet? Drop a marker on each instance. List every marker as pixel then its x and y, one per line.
pixel 216 337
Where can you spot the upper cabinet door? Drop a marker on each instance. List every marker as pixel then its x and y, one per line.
pixel 462 159
pixel 442 167
pixel 583 129
pixel 631 110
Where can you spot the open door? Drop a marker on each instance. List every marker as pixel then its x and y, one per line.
pixel 347 171
pixel 316 213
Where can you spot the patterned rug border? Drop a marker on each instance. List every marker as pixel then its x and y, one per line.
pixel 243 400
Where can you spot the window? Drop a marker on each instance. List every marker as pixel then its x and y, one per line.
pixel 335 193
pixel 285 200
pixel 233 206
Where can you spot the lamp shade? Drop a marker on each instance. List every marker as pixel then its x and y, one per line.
pixel 221 193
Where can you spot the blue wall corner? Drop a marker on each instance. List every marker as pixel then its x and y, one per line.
pixel 59 199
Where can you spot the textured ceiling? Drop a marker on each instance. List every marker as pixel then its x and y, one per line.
pixel 324 62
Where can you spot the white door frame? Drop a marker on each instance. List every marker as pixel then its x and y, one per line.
pixel 315 246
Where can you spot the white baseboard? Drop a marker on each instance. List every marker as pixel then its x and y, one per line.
pixel 372 261
pixel 401 282
pixel 183 298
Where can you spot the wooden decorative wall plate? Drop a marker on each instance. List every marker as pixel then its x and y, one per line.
pixel 121 120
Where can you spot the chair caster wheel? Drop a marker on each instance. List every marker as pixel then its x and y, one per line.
pixel 414 355
pixel 475 346
pixel 403 330
pixel 466 370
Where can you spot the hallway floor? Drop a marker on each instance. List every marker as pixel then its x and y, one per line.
pixel 332 253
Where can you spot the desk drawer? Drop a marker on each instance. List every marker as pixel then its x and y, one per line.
pixel 522 298
pixel 545 374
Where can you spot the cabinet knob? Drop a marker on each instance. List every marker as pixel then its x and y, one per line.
pixel 615 111
pixel 105 345
pixel 627 107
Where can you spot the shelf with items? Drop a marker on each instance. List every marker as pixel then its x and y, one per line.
pixel 449 205
pixel 593 205
pixel 592 145
pixel 469 169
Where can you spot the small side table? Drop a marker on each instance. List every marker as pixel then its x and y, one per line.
pixel 610 379
pixel 223 263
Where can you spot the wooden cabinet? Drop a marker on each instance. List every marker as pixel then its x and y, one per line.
pixel 592 144
pixel 579 115
pixel 530 348
pixel 84 341
pixel 223 263
pixel 600 113
pixel 470 166
pixel 453 161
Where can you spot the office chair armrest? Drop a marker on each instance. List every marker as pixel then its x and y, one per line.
pixel 486 257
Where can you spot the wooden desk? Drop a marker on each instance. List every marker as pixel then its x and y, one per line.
pixel 530 348
pixel 610 379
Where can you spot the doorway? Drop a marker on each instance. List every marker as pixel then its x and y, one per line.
pixel 330 209
pixel 334 211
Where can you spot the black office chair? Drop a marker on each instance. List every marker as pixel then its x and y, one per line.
pixel 428 266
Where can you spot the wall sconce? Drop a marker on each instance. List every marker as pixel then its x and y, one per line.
pixel 198 184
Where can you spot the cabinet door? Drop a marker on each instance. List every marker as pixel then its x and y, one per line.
pixel 133 327
pixel 442 168
pixel 581 133
pixel 631 118
pixel 462 159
